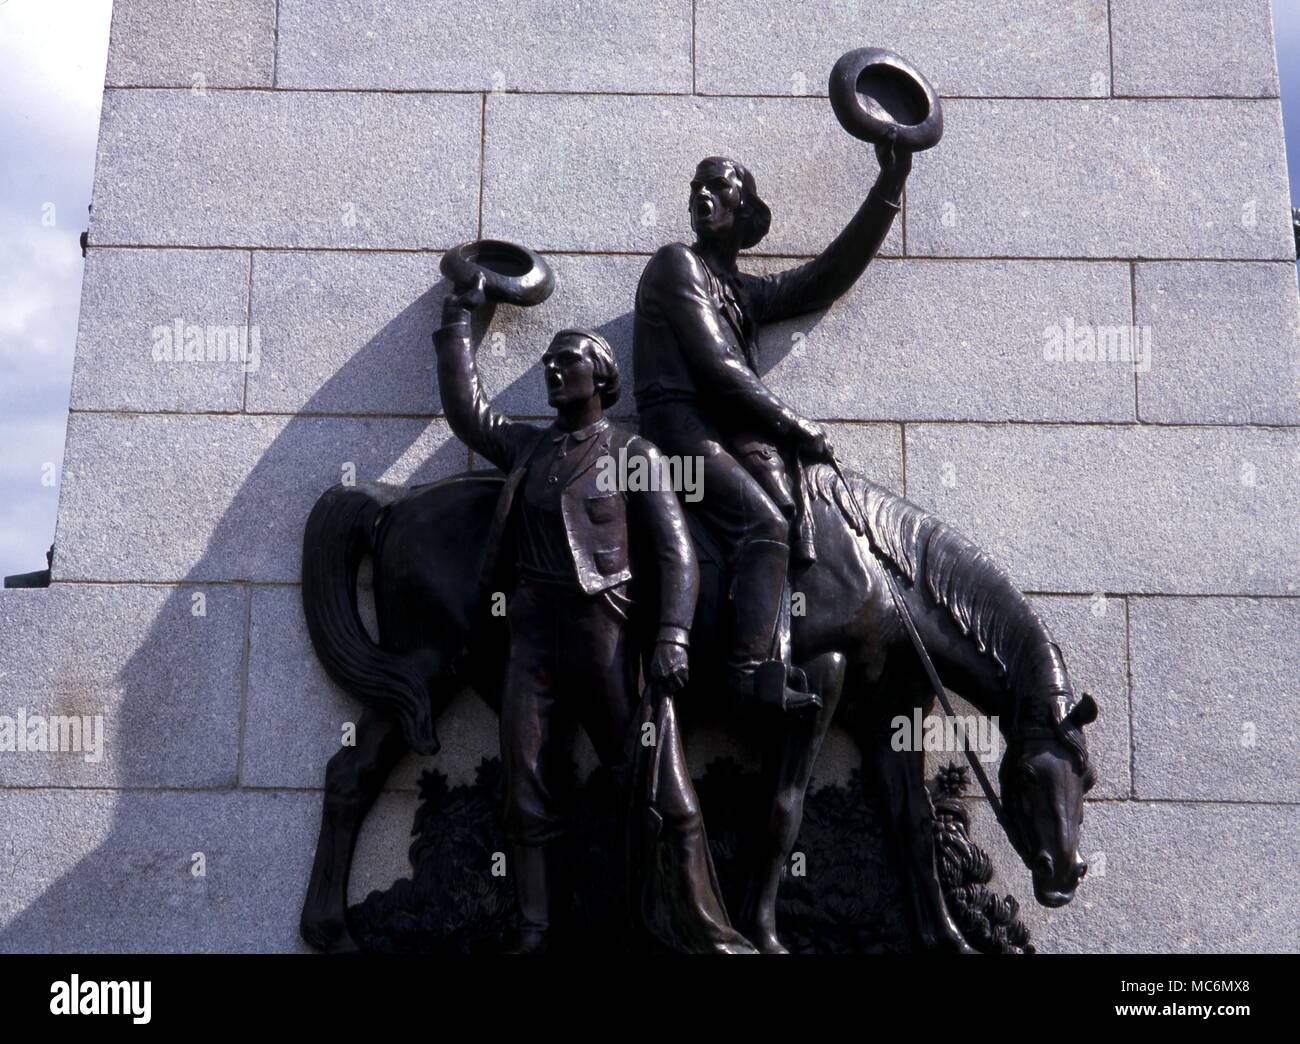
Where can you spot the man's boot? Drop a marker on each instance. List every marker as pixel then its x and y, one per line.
pixel 532 891
pixel 757 679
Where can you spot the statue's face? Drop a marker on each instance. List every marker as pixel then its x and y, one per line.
pixel 716 194
pixel 570 371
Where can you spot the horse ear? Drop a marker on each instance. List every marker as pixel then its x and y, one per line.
pixel 1084 712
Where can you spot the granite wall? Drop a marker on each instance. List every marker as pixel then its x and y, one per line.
pixel 293 170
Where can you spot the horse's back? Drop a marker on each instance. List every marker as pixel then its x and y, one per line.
pixel 429 550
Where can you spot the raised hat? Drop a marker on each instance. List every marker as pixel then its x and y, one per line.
pixel 513 273
pixel 873 90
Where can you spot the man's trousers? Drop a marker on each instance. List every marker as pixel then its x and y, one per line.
pixel 572 662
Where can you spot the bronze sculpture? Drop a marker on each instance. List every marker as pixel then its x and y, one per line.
pixel 698 393
pixel 896 598
pixel 987 642
pixel 572 654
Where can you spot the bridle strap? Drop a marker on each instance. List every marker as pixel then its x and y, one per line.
pixel 909 625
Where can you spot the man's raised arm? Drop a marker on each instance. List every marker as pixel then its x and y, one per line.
pixel 489 433
pixel 818 282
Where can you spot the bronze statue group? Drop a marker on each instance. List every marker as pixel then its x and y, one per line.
pixel 621 601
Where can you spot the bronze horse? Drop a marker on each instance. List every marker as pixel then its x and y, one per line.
pixel 985 639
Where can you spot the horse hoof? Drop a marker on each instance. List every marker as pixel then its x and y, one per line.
pixel 344 944
pixel 328 935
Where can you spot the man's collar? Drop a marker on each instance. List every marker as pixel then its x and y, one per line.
pixel 558 434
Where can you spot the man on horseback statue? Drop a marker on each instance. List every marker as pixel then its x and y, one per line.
pixel 599 578
pixel 699 394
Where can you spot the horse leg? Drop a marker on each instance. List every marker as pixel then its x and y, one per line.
pixel 900 776
pixel 353 780
pixel 789 754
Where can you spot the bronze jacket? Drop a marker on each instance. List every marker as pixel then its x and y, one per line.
pixel 605 539
pixel 695 335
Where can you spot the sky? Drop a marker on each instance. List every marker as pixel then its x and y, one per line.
pixel 1286 37
pixel 52 58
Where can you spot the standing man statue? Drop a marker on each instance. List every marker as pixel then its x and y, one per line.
pixel 568 548
pixel 699 394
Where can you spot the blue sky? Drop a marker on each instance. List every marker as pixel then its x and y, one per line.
pixel 52 57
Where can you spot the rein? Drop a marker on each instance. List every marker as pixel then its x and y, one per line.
pixel 910 626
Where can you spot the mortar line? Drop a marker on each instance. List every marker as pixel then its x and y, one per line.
pixel 248 327
pixel 1191 595
pixel 1132 288
pixel 611 93
pixel 694 85
pixel 175 791
pixel 748 255
pixel 902 433
pixel 245 657
pixel 482 159
pixel 1103 425
pixel 902 219
pixel 1110 43
pixel 275 48
pixel 187 582
pixel 1157 801
pixel 1127 596
pixel 1128 672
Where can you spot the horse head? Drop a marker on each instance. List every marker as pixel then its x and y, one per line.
pixel 1044 774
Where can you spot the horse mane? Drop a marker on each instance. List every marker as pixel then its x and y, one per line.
pixel 977 593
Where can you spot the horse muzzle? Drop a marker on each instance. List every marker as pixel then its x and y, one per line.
pixel 1051 892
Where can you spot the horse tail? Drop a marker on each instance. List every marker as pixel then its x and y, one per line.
pixel 341 531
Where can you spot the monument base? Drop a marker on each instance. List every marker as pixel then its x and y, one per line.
pixel 454 904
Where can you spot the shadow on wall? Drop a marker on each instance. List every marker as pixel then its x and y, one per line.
pixel 136 890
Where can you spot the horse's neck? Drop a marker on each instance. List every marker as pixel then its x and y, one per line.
pixel 1023 700
pixel 987 690
pixel 1020 700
